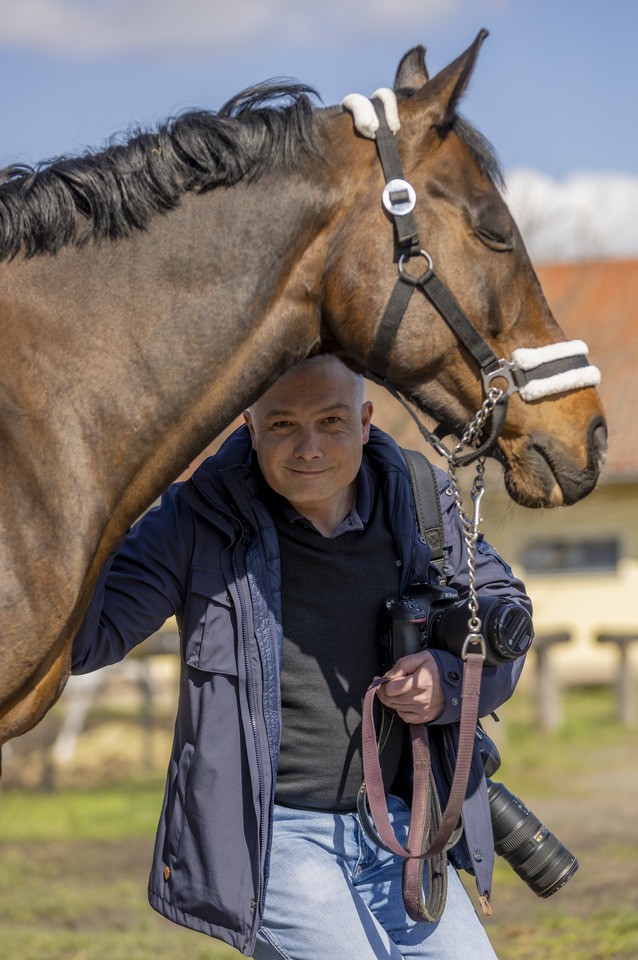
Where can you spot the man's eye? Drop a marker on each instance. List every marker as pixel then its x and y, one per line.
pixel 278 424
pixel 332 420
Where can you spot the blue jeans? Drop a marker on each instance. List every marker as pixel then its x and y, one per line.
pixel 333 895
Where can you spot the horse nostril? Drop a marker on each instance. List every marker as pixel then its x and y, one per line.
pixel 598 442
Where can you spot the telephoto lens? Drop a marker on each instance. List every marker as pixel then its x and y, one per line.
pixel 532 851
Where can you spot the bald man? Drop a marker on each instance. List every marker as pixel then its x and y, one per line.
pixel 276 557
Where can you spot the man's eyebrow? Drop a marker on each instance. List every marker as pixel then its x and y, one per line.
pixel 291 413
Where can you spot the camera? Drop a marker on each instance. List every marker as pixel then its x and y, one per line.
pixel 534 853
pixel 429 615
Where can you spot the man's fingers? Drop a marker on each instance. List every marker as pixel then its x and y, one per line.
pixel 405 666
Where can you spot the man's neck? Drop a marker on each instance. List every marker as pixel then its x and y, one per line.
pixel 326 516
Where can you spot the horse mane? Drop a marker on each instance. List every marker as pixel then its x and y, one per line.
pixel 119 189
pixel 481 149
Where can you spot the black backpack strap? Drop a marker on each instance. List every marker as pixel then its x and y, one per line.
pixel 427 503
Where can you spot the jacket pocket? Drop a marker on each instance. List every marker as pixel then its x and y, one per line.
pixel 175 805
pixel 210 631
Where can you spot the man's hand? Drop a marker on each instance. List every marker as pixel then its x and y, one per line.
pixel 414 689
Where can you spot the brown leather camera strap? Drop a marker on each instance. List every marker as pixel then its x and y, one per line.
pixel 374 790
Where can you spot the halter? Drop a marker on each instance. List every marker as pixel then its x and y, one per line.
pixel 532 372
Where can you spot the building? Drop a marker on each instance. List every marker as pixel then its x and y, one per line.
pixel 580 563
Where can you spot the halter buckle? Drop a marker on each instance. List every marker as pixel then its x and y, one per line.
pixel 502 370
pixel 399 198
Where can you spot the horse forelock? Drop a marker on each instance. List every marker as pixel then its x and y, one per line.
pixel 111 193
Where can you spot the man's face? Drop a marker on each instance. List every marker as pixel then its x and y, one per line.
pixel 308 431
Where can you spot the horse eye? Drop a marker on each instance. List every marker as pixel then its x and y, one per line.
pixel 494 240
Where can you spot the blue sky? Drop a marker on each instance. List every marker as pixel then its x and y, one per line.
pixel 554 89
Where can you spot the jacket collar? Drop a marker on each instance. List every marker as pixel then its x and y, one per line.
pixel 225 488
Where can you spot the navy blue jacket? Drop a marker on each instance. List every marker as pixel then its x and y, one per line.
pixel 209 555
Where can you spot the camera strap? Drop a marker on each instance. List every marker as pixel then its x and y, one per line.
pixel 372 792
pixel 427 504
pixel 431 831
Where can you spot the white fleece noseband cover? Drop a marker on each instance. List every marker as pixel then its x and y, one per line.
pixel 525 358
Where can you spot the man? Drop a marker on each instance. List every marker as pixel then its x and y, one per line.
pixel 275 558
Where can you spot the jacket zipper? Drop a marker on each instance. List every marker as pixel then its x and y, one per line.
pixel 236 521
pixel 245 540
pixel 251 713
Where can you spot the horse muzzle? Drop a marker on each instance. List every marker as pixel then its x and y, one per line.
pixel 546 472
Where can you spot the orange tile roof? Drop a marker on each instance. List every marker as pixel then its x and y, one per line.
pixel 597 302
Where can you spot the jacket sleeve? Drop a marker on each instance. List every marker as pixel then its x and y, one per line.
pixel 494 578
pixel 140 586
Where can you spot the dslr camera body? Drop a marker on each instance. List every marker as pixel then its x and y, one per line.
pixel 432 615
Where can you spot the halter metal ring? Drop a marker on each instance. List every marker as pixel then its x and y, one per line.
pixel 409 277
pixel 399 198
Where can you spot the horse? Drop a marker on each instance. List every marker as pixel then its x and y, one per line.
pixel 153 289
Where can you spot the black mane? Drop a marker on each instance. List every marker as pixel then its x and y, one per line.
pixel 481 149
pixel 119 189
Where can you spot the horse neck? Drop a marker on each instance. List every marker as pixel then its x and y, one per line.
pixel 130 357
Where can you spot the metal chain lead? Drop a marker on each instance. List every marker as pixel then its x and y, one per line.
pixel 471 437
pixel 470 525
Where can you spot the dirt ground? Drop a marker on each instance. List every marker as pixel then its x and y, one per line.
pixel 595 816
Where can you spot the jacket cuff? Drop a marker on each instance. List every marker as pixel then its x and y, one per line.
pixel 451 675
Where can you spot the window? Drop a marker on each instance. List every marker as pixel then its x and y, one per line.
pixel 571 556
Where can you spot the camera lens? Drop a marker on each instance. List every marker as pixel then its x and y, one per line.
pixel 506 627
pixel 532 851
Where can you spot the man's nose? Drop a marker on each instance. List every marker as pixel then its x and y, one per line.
pixel 307 446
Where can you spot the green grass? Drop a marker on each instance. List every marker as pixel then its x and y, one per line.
pixel 611 935
pixel 75 862
pixel 112 812
pixel 541 762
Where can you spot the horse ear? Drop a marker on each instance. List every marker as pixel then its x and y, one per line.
pixel 443 93
pixel 412 73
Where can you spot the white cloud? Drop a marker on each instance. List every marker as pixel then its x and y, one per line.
pixel 583 216
pixel 79 28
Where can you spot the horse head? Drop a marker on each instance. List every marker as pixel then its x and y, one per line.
pixel 552 442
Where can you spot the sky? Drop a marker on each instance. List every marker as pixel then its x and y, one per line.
pixel 554 87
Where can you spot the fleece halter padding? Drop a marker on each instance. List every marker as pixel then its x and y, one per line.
pixel 545 363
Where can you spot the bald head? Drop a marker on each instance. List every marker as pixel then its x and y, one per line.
pixel 354 382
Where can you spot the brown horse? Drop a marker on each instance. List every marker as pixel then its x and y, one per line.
pixel 151 291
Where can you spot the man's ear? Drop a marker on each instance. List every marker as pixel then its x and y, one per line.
pixel 248 420
pixel 366 417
